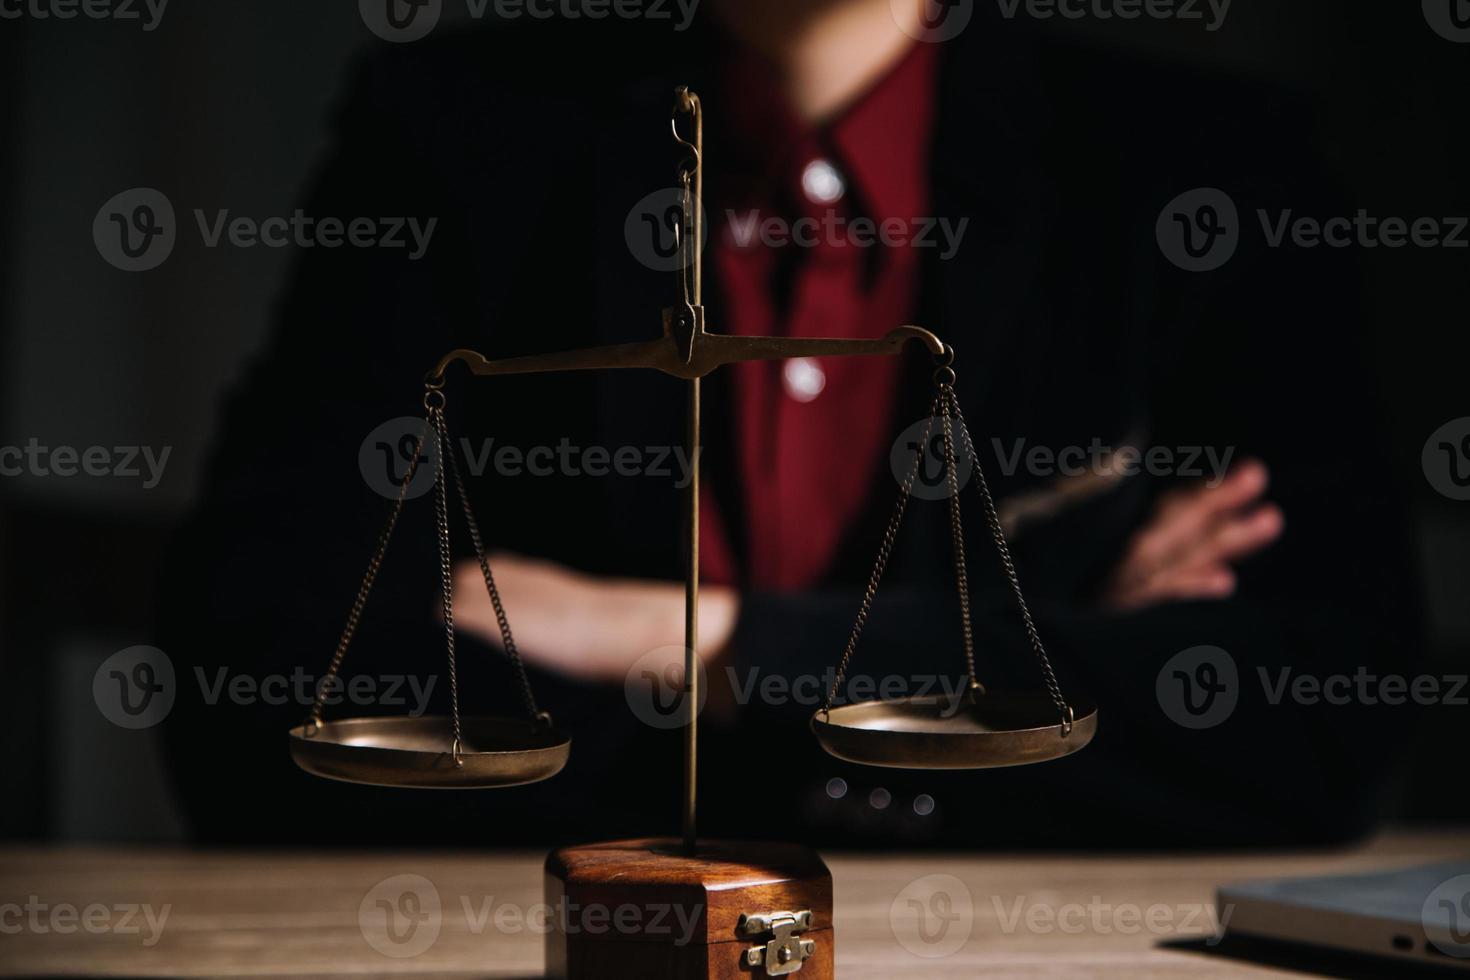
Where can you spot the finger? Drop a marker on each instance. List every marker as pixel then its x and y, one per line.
pixel 1240 537
pixel 1181 585
pixel 1185 518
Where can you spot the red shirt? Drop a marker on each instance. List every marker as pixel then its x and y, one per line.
pixel 809 434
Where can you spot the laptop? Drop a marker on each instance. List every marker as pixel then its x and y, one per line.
pixel 1420 914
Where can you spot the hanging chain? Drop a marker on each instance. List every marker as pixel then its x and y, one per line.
pixel 528 697
pixel 947 407
pixel 884 550
pixel 446 572
pixel 314 719
pixel 957 532
pixel 437 428
pixel 992 518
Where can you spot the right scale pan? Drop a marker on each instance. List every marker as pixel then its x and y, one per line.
pixel 983 732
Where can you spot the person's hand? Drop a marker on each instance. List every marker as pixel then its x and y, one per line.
pixel 1189 545
pixel 584 626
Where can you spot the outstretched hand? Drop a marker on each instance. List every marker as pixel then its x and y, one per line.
pixel 1192 541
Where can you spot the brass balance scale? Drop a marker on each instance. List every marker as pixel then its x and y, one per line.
pixel 775 895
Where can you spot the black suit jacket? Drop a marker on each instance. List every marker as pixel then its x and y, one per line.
pixel 530 145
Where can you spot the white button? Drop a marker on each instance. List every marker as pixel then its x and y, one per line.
pixel 804 379
pixel 821 183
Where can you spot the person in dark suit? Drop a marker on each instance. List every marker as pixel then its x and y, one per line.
pixel 1039 170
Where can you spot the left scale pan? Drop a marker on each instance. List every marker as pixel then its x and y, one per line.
pixel 419 752
pixel 432 752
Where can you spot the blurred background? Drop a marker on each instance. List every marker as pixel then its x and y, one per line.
pixel 225 106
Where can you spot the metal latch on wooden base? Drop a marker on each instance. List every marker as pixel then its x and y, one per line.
pixel 785 951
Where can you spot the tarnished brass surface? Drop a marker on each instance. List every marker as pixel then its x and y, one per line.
pixel 938 732
pixel 418 752
pixel 707 351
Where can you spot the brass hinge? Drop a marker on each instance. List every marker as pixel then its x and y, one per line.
pixel 785 951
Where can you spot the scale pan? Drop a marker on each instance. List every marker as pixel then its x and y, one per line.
pixel 416 752
pixel 1001 729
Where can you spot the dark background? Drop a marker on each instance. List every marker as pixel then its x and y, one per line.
pixel 225 106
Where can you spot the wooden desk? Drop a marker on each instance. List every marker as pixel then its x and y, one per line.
pixel 280 914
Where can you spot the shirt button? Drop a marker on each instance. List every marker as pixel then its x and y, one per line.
pixel 804 379
pixel 822 183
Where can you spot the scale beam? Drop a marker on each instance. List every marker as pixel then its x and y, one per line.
pixel 707 352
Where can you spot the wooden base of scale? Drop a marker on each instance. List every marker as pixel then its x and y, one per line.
pixel 646 908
